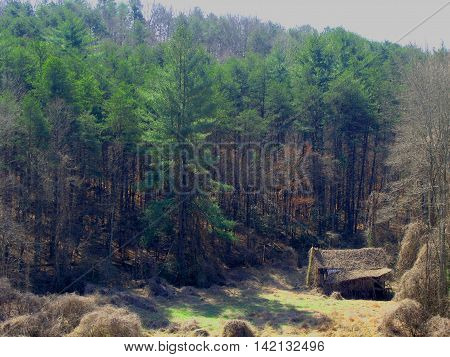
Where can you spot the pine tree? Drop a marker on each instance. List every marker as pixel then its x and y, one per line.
pixel 185 110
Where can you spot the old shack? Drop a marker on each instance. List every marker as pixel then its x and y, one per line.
pixel 355 273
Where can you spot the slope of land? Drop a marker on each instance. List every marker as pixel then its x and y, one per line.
pixel 274 303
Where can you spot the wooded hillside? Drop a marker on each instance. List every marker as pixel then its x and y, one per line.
pixel 138 144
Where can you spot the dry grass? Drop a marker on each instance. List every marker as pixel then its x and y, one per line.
pixel 109 321
pixel 14 303
pixel 421 282
pixel 406 319
pixel 24 325
pixel 438 326
pixel 273 301
pixel 57 316
pixel 159 287
pixel 25 314
pixel 237 328
pixel 200 332
pixel 64 313
pixel 410 246
pixel 185 328
pixel 188 290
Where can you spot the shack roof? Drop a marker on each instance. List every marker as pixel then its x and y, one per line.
pixel 351 259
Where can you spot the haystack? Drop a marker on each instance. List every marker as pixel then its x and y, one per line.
pixel 57 316
pixel 438 326
pixel 109 321
pixel 237 328
pixel 421 282
pixel 406 319
pixel 355 273
pixel 412 241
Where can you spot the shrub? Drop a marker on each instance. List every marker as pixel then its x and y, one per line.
pixel 64 313
pixel 438 326
pixel 56 317
pixel 109 321
pixel 14 303
pixel 237 328
pixel 24 325
pixel 421 282
pixel 410 246
pixel 405 319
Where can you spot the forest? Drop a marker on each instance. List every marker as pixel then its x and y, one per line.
pixel 140 143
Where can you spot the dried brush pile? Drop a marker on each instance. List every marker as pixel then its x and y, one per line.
pixel 421 282
pixel 26 314
pixel 407 319
pixel 418 292
pixel 438 326
pixel 109 321
pixel 412 241
pixel 14 303
pixel 237 328
pixel 56 316
pixel 200 333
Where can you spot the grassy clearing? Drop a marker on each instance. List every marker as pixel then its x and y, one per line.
pixel 270 301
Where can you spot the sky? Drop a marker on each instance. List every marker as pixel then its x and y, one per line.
pixel 378 20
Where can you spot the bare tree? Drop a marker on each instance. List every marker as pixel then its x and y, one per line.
pixel 421 152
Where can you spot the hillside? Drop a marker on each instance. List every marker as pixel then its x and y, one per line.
pixel 162 169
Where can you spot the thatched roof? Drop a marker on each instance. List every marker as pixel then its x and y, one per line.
pixel 351 259
pixel 359 274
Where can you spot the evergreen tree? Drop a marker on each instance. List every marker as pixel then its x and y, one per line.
pixel 185 110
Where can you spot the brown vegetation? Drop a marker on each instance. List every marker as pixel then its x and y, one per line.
pixel 237 328
pixel 14 303
pixel 336 295
pixel 405 319
pixel 420 161
pixel 26 314
pixel 200 332
pixel 421 282
pixel 56 316
pixel 438 326
pixel 412 241
pixel 159 287
pixel 109 321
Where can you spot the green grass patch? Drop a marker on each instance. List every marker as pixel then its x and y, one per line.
pixel 273 311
